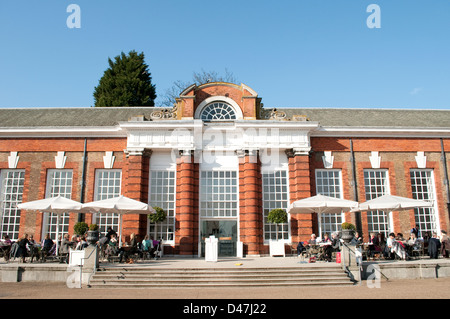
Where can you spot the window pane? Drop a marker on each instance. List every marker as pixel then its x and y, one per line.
pixel 162 194
pixel 108 186
pixel 376 185
pixel 422 184
pixel 218 111
pixel 274 196
pixel 59 184
pixel 10 197
pixel 218 197
pixel 328 183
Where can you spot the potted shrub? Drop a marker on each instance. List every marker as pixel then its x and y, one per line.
pixel 80 228
pixel 347 232
pixel 277 216
pixel 156 218
pixel 93 234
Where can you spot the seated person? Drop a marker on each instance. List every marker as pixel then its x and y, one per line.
pixel 412 243
pixel 131 249
pixel 82 244
pixel 23 242
pixel 112 247
pixel 156 247
pixel 6 241
pixel 47 244
pixel 373 246
pixel 6 247
pixel 394 247
pixel 331 245
pixel 312 240
pixel 147 244
pixel 300 248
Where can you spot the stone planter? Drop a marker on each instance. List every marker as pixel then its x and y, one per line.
pixel 347 235
pixel 92 237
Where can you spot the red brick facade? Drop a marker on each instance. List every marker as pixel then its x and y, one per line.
pixel 397 157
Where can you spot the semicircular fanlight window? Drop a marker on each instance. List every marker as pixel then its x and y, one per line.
pixel 218 111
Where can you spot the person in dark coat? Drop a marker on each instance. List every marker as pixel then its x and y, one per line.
pixel 434 245
pixel 23 242
pixel 415 230
pixel 445 244
pixel 374 246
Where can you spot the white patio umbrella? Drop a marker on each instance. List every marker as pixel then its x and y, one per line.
pixel 57 205
pixel 119 205
pixel 391 202
pixel 321 204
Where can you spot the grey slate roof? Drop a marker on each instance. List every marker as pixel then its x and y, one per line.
pixel 38 117
pixel 103 117
pixel 374 117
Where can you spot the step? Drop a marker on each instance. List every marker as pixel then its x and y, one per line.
pixel 147 277
pixel 222 284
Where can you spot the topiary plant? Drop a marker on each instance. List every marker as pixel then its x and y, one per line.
pixel 158 217
pixel 348 226
pixel 93 227
pixel 80 228
pixel 277 216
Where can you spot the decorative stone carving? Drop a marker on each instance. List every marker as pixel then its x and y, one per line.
pixel 421 160
pixel 60 160
pixel 108 160
pixel 277 115
pixel 375 160
pixel 274 114
pixel 327 159
pixel 13 159
pixel 165 114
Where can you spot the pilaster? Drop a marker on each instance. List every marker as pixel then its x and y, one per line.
pixel 250 195
pixel 300 187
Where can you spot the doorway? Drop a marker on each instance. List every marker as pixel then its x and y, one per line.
pixel 225 231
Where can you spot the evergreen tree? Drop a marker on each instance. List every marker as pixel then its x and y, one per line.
pixel 127 82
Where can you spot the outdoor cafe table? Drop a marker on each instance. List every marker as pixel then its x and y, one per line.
pixel 315 249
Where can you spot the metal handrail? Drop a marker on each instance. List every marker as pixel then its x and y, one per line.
pixel 360 265
pixel 82 264
pixel 356 259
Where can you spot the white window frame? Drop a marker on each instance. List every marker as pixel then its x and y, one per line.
pixel 270 195
pixel 169 205
pixel 13 212
pixel 378 213
pixel 335 219
pixel 50 219
pixel 423 212
pixel 98 218
pixel 227 197
pixel 220 99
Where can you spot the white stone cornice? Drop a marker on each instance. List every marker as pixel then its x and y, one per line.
pixel 61 132
pixel 406 132
pixel 215 136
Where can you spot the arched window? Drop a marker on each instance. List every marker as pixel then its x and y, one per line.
pixel 218 111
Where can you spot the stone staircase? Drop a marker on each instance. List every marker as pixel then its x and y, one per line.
pixel 148 277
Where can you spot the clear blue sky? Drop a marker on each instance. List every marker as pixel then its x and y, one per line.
pixel 293 53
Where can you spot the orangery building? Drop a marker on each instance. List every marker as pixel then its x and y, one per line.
pixel 218 162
